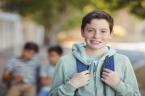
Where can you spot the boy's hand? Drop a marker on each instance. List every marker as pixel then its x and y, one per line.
pixel 80 79
pixel 18 78
pixel 46 81
pixel 110 77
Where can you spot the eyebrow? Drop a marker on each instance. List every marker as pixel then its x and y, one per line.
pixel 95 28
pixel 90 28
pixel 104 28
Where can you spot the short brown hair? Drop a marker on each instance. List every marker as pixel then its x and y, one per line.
pixel 97 15
pixel 31 46
pixel 58 49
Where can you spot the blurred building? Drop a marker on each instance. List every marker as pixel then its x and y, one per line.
pixel 15 31
pixel 140 31
pixel 129 24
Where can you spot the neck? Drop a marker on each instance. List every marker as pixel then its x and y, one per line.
pixel 95 52
pixel 53 65
pixel 23 58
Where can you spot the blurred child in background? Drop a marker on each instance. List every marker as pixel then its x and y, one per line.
pixel 22 72
pixel 47 71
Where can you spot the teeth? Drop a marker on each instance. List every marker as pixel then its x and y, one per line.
pixel 96 42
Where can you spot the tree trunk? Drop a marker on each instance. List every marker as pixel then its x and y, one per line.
pixel 50 36
pixel 51 31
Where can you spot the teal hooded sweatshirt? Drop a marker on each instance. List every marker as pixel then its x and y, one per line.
pixel 66 68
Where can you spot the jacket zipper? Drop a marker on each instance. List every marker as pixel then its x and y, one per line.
pixel 95 89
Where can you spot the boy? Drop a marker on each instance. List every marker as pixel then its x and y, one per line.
pixel 22 71
pixel 47 71
pixel 96 80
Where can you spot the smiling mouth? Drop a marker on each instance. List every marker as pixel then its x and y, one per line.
pixel 95 42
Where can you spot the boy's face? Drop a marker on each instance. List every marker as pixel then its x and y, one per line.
pixel 28 54
pixel 96 33
pixel 53 57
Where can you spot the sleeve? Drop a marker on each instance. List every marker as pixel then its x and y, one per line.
pixel 10 65
pixel 60 86
pixel 43 71
pixel 128 86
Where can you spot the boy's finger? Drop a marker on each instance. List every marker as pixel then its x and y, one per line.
pixel 103 79
pixel 105 73
pixel 85 72
pixel 107 70
pixel 104 76
pixel 88 76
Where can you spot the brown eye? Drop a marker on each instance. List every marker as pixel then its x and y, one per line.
pixel 91 30
pixel 103 31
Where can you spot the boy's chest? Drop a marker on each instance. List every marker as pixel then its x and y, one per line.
pixel 71 69
pixel 23 66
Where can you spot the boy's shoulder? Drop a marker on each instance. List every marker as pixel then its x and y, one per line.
pixel 122 60
pixel 67 59
pixel 68 56
pixel 14 59
pixel 34 60
pixel 17 60
pixel 121 56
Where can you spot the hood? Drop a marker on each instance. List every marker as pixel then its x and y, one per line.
pixel 78 51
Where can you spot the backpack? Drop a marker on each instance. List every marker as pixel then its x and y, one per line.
pixel 108 63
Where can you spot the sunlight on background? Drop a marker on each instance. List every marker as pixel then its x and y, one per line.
pixel 52 22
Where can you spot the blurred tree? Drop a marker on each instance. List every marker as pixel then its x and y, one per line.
pixel 51 13
pixel 58 14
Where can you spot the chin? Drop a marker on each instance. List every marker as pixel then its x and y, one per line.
pixel 96 47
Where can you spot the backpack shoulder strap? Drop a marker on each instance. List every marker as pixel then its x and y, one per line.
pixel 81 66
pixel 109 63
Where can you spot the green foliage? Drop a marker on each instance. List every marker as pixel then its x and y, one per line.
pixel 45 12
pixel 48 12
pixel 73 20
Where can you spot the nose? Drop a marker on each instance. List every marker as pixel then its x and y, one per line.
pixel 97 34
